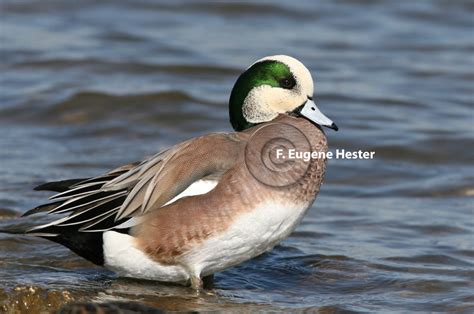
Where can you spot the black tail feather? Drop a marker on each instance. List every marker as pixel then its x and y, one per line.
pixel 90 212
pixel 42 208
pixel 88 245
pixel 58 186
pixel 14 230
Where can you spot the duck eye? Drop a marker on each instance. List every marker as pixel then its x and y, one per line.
pixel 287 83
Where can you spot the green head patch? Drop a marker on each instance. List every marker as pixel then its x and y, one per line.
pixel 268 72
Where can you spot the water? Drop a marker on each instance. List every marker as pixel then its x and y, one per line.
pixel 88 86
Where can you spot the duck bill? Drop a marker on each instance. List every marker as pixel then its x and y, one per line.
pixel 311 112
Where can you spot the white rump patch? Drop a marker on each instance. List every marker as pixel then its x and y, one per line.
pixel 122 257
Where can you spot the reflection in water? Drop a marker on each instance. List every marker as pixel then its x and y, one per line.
pixel 83 91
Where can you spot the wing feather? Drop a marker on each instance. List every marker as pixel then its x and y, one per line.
pixel 78 190
pixel 108 201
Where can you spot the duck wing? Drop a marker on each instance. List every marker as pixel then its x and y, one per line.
pixel 105 202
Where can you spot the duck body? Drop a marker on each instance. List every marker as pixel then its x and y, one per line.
pixel 238 219
pixel 208 203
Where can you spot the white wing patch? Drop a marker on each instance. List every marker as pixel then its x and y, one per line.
pixel 197 188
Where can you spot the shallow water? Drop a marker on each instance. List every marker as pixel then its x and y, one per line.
pixel 87 86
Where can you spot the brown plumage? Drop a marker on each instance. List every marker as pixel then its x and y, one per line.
pixel 177 227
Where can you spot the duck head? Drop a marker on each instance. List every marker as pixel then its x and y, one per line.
pixel 271 86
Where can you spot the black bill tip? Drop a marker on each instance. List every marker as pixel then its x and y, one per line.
pixel 334 127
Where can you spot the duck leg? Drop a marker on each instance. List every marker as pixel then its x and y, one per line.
pixel 196 283
pixel 208 282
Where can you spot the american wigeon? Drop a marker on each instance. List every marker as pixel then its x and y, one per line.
pixel 208 203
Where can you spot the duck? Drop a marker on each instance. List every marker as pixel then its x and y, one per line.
pixel 208 203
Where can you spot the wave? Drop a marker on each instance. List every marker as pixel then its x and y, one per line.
pixel 89 106
pixel 103 66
